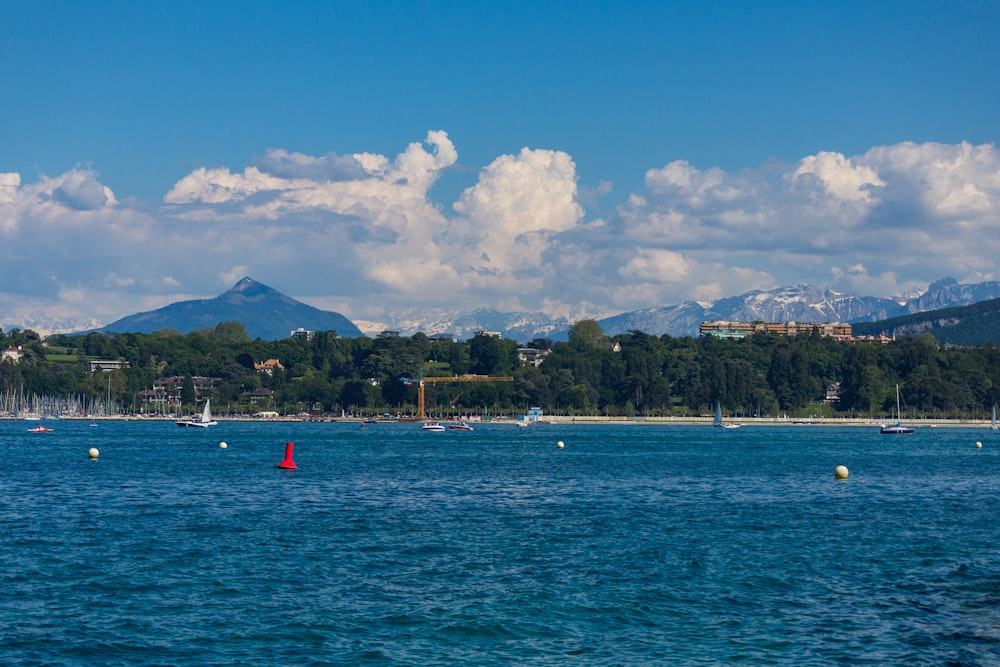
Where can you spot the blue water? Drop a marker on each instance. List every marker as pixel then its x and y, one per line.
pixel 389 545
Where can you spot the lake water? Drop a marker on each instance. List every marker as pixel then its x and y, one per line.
pixel 680 545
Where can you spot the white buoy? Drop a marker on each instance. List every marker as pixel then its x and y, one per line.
pixel 93 453
pixel 841 472
pixel 560 444
pixel 979 445
pixel 223 445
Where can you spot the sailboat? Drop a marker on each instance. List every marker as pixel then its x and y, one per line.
pixel 718 418
pixel 205 421
pixel 897 428
pixel 993 420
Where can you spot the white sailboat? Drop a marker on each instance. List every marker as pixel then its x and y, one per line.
pixel 897 428
pixel 993 420
pixel 718 418
pixel 205 421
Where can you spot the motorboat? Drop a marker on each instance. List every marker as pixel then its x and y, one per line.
pixel 39 429
pixel 460 426
pixel 433 426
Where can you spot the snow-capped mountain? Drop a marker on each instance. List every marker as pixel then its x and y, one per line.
pixel 796 303
pixel 45 325
pixel 948 292
pixel 520 326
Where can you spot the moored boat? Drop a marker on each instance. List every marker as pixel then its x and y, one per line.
pixel 897 428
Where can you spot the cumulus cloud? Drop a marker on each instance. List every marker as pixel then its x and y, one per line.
pixel 364 232
pixel 519 203
pixel 905 212
pixel 330 167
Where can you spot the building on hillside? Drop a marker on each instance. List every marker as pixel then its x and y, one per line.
pixel 107 365
pixel 724 329
pixel 484 332
pixel 170 387
pixel 257 396
pixel 268 366
pixel 302 334
pixel 881 338
pixel 12 354
pixel 530 356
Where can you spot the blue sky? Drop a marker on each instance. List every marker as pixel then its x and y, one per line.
pixel 674 151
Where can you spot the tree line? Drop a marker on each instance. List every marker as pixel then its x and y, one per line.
pixel 628 374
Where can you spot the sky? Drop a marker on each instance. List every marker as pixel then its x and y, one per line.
pixel 401 159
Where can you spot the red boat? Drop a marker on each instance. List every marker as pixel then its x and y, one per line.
pixel 39 429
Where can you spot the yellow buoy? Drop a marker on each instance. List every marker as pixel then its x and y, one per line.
pixel 223 445
pixel 560 444
pixel 93 453
pixel 979 445
pixel 841 472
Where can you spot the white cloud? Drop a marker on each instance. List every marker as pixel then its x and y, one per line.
pixel 842 179
pixel 519 203
pixel 656 266
pixel 362 231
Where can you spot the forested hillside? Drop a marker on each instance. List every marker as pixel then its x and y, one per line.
pixel 972 325
pixel 627 374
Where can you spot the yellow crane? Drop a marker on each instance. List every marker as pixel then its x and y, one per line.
pixel 469 377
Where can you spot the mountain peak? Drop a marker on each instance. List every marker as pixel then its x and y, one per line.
pixel 247 287
pixel 942 284
pixel 244 283
pixel 265 312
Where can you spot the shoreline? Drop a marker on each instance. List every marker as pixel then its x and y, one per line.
pixel 558 420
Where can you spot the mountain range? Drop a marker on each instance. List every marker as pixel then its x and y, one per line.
pixel 798 303
pixel 271 315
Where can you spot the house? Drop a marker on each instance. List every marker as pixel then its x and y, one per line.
pixel 268 366
pixel 302 334
pixel 257 395
pixel 107 365
pixel 529 356
pixel 168 389
pixel 12 354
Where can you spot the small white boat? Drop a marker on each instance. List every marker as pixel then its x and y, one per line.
pixel 205 421
pixel 433 426
pixel 897 428
pixel 718 418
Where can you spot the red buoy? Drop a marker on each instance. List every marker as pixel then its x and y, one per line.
pixel 288 463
